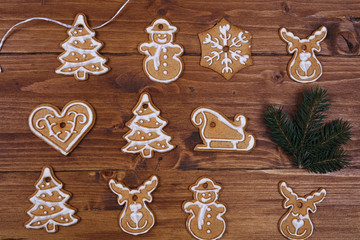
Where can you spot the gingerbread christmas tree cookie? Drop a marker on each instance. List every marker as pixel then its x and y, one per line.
pixel 50 209
pixel 206 213
pixel 81 56
pixel 63 130
pixel 218 133
pixel 163 61
pixel 225 48
pixel 146 134
pixel 136 217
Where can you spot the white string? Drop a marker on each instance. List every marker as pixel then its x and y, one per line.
pixel 57 22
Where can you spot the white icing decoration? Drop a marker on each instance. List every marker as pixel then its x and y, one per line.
pixel 165 64
pixel 162 46
pixel 234 53
pixel 203 209
pixel 80 20
pixel 47 183
pixel 134 207
pixel 41 207
pixel 202 122
pixel 292 199
pixel 42 185
pixel 84 121
pixel 304 55
pixel 38 201
pixel 145 98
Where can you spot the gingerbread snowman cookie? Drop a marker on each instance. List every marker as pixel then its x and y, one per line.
pixel 206 220
pixel 163 61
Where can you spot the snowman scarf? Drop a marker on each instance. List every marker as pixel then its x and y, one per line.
pixel 157 55
pixel 203 208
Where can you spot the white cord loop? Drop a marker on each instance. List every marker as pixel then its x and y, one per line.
pixel 57 22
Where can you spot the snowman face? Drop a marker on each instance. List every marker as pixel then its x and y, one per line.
pixel 207 197
pixel 162 38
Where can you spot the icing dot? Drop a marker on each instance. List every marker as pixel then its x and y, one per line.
pixel 165 64
pixel 41 207
pixel 47 184
pixel 39 223
pixel 149 134
pixel 73 54
pixel 140 111
pixel 141 121
pixel 42 195
pixel 43 185
pixel 158 144
pixel 52 209
pixel 76 42
pixel 75 32
pixel 208 231
pixel 45 212
pixel 209 215
pixel 165 56
pixel 60 197
pixel 61 218
pixel 76 59
pixel 164 50
pixel 208 223
pixel 165 72
pixel 80 30
pixel 69 69
pixel 97 68
pixel 142 138
pixel 84 56
pixel 159 35
pixel 93 66
pixel 66 220
pixel 138 132
pixel 135 148
pixel 157 123
pixel 163 146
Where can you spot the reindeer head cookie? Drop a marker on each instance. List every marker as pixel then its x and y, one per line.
pixel 296 223
pixel 304 67
pixel 136 218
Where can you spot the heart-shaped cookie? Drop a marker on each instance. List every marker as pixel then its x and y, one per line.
pixel 62 130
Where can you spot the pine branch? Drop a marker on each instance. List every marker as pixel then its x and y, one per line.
pixel 311 143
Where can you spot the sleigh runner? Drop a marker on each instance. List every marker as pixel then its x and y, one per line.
pixel 219 133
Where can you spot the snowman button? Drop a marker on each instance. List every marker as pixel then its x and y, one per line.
pixel 208 231
pixel 164 50
pixel 165 72
pixel 165 64
pixel 165 56
pixel 208 223
pixel 209 215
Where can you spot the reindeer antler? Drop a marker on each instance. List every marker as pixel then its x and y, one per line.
pixel 289 38
pixel 120 190
pixel 287 192
pixel 315 197
pixel 149 186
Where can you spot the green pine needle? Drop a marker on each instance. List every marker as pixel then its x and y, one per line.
pixel 311 143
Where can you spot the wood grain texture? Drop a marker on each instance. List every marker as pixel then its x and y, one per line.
pixel 249 181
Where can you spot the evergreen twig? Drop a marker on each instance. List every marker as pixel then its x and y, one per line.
pixel 311 143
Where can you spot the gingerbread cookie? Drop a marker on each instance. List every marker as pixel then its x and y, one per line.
pixel 50 209
pixel 163 61
pixel 136 218
pixel 226 49
pixel 296 223
pixel 62 130
pixel 218 133
pixel 81 56
pixel 146 134
pixel 304 67
pixel 205 220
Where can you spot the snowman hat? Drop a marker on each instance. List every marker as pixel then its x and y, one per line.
pixel 205 185
pixel 161 25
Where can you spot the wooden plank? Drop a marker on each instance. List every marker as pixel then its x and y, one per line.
pixel 114 95
pixel 254 204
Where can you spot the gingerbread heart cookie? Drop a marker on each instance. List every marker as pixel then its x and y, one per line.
pixel 62 130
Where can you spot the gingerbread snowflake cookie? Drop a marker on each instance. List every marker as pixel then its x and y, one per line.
pixel 146 134
pixel 135 218
pixel 218 133
pixel 225 48
pixel 296 222
pixel 81 56
pixel 304 67
pixel 62 130
pixel 163 61
pixel 50 209
pixel 206 213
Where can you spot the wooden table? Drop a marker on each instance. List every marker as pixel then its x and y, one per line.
pixel 250 181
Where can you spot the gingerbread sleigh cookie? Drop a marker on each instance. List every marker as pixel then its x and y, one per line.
pixel 81 56
pixel 136 218
pixel 304 67
pixel 62 130
pixel 206 213
pixel 163 61
pixel 218 133
pixel 50 209
pixel 296 223
pixel 146 134
pixel 226 49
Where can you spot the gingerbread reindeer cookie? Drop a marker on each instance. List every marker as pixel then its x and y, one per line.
pixel 136 218
pixel 218 133
pixel 62 130
pixel 81 56
pixel 206 213
pixel 225 48
pixel 163 61
pixel 50 209
pixel 304 67
pixel 296 222
pixel 146 134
